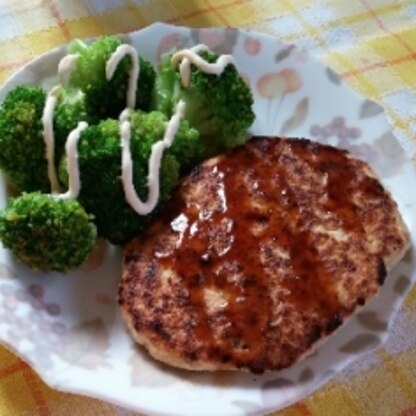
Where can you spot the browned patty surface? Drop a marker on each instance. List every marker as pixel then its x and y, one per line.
pixel 262 252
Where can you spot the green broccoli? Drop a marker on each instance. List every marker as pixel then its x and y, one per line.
pixel 107 98
pixel 145 85
pixel 99 156
pixel 70 109
pixel 219 107
pixel 25 94
pixel 186 148
pixel 22 149
pixel 46 233
pixel 22 146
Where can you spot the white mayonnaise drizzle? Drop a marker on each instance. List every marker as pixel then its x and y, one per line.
pixel 185 65
pixel 48 136
pixel 71 149
pixel 66 66
pixel 153 178
pixel 112 64
pixel 186 57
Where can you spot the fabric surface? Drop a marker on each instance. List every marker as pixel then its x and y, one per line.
pixel 371 44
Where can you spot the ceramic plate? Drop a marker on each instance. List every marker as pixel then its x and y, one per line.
pixel 69 328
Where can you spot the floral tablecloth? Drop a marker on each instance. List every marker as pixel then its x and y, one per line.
pixel 370 43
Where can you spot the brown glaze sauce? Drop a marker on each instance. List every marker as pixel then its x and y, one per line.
pixel 198 262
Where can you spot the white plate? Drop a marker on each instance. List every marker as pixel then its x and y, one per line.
pixel 69 328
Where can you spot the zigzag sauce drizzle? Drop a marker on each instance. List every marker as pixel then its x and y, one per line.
pixel 65 66
pixel 153 178
pixel 186 57
pixel 49 138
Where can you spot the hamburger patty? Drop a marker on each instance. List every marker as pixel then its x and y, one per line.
pixel 261 252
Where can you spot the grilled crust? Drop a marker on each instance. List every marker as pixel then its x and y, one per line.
pixel 261 253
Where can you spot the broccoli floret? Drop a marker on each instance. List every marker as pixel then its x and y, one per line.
pixel 145 85
pixel 25 94
pixel 46 233
pixel 107 98
pixel 219 107
pixel 99 156
pixel 186 148
pixel 70 109
pixel 22 148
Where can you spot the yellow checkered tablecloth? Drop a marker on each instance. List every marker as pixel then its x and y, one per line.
pixel 371 43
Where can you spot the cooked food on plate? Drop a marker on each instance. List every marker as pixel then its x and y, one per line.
pixel 238 254
pixel 46 233
pixel 261 253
